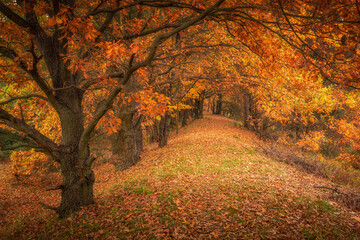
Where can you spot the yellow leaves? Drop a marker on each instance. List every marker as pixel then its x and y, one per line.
pixel 303 95
pixel 29 163
pixel 37 112
pixel 152 104
pixel 195 92
pixel 350 131
pixel 352 100
pixel 312 140
pixel 179 106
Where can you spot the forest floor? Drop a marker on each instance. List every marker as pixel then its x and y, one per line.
pixel 210 182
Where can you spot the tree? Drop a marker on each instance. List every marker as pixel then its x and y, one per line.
pixel 63 50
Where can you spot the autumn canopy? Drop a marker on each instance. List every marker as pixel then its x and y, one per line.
pixel 73 71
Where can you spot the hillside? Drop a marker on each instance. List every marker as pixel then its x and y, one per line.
pixel 211 182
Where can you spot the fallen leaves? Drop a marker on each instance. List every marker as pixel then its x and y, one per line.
pixel 204 184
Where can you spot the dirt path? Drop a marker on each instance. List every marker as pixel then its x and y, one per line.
pixel 210 182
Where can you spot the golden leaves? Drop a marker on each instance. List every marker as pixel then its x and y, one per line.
pixel 152 104
pixel 29 165
pixel 312 140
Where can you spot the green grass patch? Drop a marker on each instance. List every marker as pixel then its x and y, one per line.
pixel 324 206
pixel 232 149
pixel 252 151
pixel 142 190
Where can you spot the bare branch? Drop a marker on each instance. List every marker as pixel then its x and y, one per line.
pixel 150 31
pixel 12 55
pixel 162 37
pixel 329 188
pixel 60 187
pixel 20 125
pixel 17 137
pixel 13 16
pixel 97 11
pixel 23 97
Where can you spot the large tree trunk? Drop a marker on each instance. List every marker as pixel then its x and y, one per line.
pixel 77 186
pixel 199 108
pixel 164 130
pixel 213 105
pixel 127 143
pixel 185 115
pixel 78 177
pixel 247 110
pixel 218 104
pixel 153 132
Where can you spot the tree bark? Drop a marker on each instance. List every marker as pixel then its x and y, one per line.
pixel 77 185
pixel 219 104
pixel 127 143
pixel 199 108
pixel 247 110
pixel 154 132
pixel 164 129
pixel 78 177
pixel 213 106
pixel 185 115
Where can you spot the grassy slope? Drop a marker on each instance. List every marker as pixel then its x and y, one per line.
pixel 209 182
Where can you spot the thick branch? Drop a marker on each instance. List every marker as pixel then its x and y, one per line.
pixel 106 23
pixel 98 10
pixel 13 16
pixel 17 137
pixel 162 37
pixel 59 187
pixel 20 125
pixel 93 81
pixel 23 97
pixel 102 108
pixel 12 55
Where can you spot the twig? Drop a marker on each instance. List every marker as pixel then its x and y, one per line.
pixel 262 147
pixel 332 189
pixel 55 188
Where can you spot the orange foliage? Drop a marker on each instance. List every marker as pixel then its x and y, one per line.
pixel 29 166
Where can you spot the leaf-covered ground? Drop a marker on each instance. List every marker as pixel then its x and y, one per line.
pixel 210 182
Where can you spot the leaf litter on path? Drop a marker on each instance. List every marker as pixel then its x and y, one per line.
pixel 210 182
